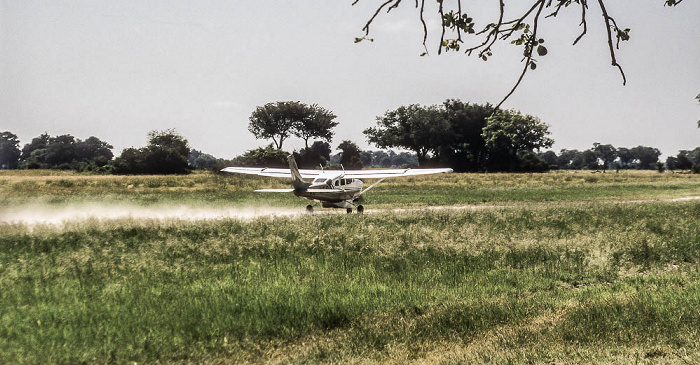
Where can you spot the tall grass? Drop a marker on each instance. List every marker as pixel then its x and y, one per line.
pixel 17 188
pixel 570 282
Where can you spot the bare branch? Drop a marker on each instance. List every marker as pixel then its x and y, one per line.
pixel 425 26
pixel 607 18
pixel 584 6
pixel 442 21
pixel 366 27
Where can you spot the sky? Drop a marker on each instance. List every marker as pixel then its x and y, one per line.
pixel 119 69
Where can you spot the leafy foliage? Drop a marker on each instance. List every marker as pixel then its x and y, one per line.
pixel 413 127
pixel 267 156
pixel 66 152
pixel 464 148
pixel 509 133
pixel 166 153
pixel 281 119
pixel 9 150
pixel 350 158
pixel 204 161
pixel 316 123
pixel 319 154
pixel 605 156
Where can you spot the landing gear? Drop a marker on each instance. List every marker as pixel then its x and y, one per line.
pixel 349 210
pixel 309 208
pixel 360 209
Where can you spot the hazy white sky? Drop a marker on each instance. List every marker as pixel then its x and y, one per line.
pixel 118 69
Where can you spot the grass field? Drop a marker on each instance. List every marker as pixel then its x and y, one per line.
pixel 564 267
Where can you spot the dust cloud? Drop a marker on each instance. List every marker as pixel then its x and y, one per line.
pixel 57 215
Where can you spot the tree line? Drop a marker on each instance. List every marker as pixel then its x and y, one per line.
pixel 464 136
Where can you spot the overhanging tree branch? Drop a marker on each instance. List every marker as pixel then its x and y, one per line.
pixel 455 20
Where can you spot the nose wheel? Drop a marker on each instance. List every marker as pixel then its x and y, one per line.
pixel 360 209
pixel 309 208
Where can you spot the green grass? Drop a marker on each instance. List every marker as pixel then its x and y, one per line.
pixel 584 277
pixel 22 187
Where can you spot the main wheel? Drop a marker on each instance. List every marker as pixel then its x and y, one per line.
pixel 349 210
pixel 360 209
pixel 309 208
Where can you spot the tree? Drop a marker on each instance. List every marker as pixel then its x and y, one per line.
pixel 350 158
pixel 550 158
pixel 626 157
pixel 276 120
pixel 281 119
pixel 317 122
pixel 48 152
pixel 646 157
pixel 687 160
pixel 671 163
pixel 9 150
pixel 204 161
pixel 66 152
pixel 166 153
pixel 33 153
pixel 311 157
pixel 606 153
pixel 464 148
pixel 413 127
pixel 92 153
pixel 509 132
pixel 567 159
pixel 522 29
pixel 267 156
pixel 587 159
pixel 683 162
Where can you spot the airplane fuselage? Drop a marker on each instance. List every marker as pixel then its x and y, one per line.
pixel 332 191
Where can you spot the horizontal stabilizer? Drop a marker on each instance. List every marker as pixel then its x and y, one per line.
pixel 274 190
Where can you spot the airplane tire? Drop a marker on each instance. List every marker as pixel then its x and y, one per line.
pixel 309 208
pixel 349 210
pixel 360 209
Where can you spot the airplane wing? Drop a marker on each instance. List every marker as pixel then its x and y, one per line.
pixel 348 174
pixel 272 172
pixel 385 173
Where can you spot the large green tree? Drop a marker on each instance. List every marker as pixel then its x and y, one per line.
pixel 9 150
pixel 316 123
pixel 508 133
pixel 166 153
pixel 350 157
pixel 267 156
pixel 280 120
pixel 463 148
pixel 420 129
pixel 606 153
pixel 66 152
pixel 460 31
pixel 645 157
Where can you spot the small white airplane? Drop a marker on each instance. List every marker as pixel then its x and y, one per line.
pixel 332 188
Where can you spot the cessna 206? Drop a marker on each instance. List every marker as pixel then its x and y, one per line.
pixel 332 188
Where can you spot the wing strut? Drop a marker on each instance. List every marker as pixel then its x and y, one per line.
pixel 371 186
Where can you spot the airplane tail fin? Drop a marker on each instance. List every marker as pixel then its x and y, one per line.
pixel 297 180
